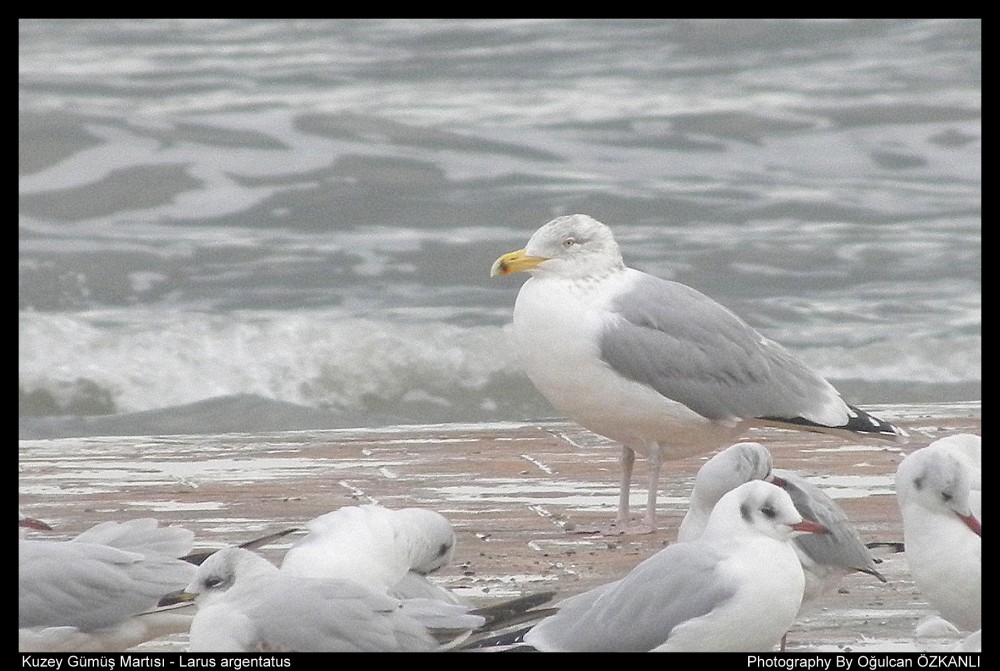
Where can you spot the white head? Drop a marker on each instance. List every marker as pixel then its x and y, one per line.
pixel 758 507
pixel 732 467
pixel 938 481
pixel 572 246
pixel 430 538
pixel 225 569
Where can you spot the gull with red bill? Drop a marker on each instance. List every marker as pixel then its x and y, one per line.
pixel 737 587
pixel 936 488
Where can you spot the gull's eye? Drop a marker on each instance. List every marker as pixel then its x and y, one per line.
pixel 569 242
pixel 213 581
pixel 769 512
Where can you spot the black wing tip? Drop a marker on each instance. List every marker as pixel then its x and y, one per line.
pixel 517 608
pixel 862 422
pixel 859 423
pixel 511 638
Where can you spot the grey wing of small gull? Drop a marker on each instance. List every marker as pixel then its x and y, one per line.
pixel 841 547
pixel 638 612
pixel 143 535
pixel 90 586
pixel 303 615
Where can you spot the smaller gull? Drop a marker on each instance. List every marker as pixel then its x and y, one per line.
pixel 826 558
pixel 97 591
pixel 736 588
pixel 246 604
pixel 942 526
pixel 392 550
pixel 395 552
pixel 653 364
pixel 721 474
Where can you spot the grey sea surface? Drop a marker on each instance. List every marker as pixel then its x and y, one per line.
pixel 282 224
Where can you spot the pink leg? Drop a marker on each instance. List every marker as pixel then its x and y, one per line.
pixel 655 463
pixel 625 486
pixel 622 524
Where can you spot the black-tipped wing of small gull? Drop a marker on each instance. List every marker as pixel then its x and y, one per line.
pixel 679 584
pixel 840 548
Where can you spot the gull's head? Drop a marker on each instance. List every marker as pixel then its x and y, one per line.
pixel 428 537
pixel 937 482
pixel 730 468
pixel 759 507
pixel 570 246
pixel 223 570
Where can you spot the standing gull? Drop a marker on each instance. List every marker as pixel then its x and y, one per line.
pixel 942 527
pixel 826 558
pixel 652 364
pixel 735 588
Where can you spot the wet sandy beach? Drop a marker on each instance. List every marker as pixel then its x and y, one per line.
pixel 520 496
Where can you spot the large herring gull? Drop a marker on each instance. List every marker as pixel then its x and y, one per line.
pixel 653 364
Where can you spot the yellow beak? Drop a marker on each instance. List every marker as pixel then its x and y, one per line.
pixel 515 262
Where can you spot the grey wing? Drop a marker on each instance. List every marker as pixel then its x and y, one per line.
pixel 638 612
pixel 305 615
pixel 90 586
pixel 144 536
pixel 693 350
pixel 842 547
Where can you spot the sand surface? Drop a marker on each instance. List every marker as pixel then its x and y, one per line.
pixel 521 497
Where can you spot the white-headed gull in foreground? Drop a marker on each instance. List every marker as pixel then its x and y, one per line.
pixel 246 604
pixel 737 587
pixel 93 593
pixel 826 558
pixel 652 364
pixel 382 548
pixel 942 532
